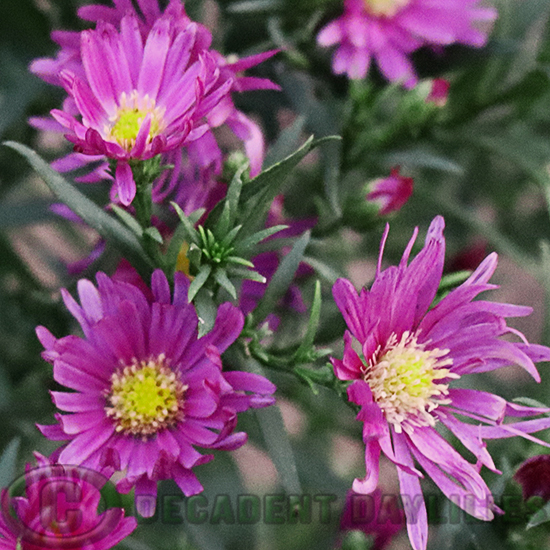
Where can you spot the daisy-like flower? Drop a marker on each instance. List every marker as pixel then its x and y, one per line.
pixel 39 521
pixel 406 380
pixel 388 31
pixel 146 388
pixel 139 98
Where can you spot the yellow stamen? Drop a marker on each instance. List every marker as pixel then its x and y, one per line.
pixel 129 117
pixel 384 8
pixel 405 380
pixel 145 397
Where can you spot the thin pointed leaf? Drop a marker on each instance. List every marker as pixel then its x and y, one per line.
pixel 239 260
pixel 82 206
pixel 198 281
pixel 127 219
pixel 154 234
pixel 286 143
pixel 260 236
pixel 313 323
pixel 231 203
pixel 276 440
pixel 206 311
pixel 246 274
pixel 221 278
pixel 176 242
pixel 190 230
pixel 542 516
pixel 229 238
pixel 8 462
pixel 282 278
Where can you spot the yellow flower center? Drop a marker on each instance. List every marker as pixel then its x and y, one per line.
pixel 145 397
pixel 385 8
pixel 129 117
pixel 405 381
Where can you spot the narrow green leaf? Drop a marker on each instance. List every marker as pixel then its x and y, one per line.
pixel 221 278
pixel 176 242
pixel 260 236
pixel 27 212
pixel 93 215
pixel 282 278
pixel 190 230
pixel 246 274
pixel 127 219
pixel 307 342
pixel 8 462
pixel 286 143
pixel 424 159
pixel 198 281
pixel 276 440
pixel 231 204
pixel 230 237
pixel 154 234
pixel 239 260
pixel 542 516
pixel 325 271
pixel 206 311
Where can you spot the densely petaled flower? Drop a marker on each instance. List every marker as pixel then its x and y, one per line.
pixel 203 150
pixel 389 30
pixel 146 389
pixel 391 193
pixel 411 356
pixel 38 523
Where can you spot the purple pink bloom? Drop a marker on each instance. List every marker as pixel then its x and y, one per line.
pixel 40 522
pixel 391 193
pixel 407 378
pixel 145 389
pixel 388 31
pixel 148 84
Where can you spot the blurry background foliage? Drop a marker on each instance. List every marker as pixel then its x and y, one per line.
pixel 481 161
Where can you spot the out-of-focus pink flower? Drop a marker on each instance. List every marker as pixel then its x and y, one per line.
pixel 391 193
pixel 439 92
pixel 388 31
pixel 534 477
pixel 376 515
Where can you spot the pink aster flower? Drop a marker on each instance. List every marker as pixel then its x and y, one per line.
pixel 139 98
pixel 146 389
pixel 391 193
pixel 406 380
pixel 40 522
pixel 388 31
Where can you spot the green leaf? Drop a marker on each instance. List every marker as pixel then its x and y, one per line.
pixel 282 278
pixel 198 281
pixel 93 215
pixel 176 242
pixel 286 143
pixel 258 194
pixel 154 233
pixel 28 212
pixel 313 324
pixel 239 260
pixel 260 236
pixel 246 274
pixel 128 219
pixel 425 159
pixel 231 204
pixel 190 231
pixel 230 237
pixel 542 516
pixel 221 278
pixel 8 462
pixel 276 440
pixel 206 311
